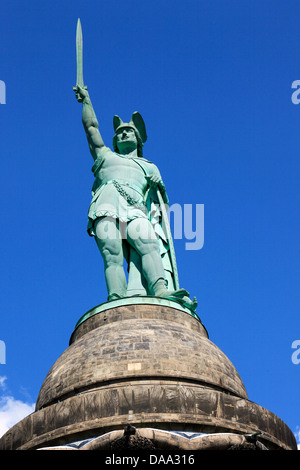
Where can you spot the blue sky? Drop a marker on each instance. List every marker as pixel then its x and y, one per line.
pixel 212 80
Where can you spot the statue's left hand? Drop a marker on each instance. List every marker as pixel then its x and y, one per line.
pixel 155 181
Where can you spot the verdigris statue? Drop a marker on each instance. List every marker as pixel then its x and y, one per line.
pixel 127 215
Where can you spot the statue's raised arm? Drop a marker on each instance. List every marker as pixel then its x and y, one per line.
pixel 89 120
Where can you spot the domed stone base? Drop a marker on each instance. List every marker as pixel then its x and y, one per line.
pixel 145 365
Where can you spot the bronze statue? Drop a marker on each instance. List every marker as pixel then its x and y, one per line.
pixel 127 214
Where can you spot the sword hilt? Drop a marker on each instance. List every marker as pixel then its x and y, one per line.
pixel 78 97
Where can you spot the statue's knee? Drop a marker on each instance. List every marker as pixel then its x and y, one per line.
pixel 146 246
pixel 141 235
pixel 111 251
pixel 112 248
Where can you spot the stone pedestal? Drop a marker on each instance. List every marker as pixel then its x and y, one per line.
pixel 142 373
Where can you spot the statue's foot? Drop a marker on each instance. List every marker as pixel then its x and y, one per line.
pixel 114 297
pixel 181 295
pixel 177 294
pixel 191 304
pixel 186 302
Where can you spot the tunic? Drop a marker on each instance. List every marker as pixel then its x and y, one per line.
pixel 120 187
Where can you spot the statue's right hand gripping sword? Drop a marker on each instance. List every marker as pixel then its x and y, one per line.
pixel 79 42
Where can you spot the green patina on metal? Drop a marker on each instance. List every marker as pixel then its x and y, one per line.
pixel 146 300
pixel 128 212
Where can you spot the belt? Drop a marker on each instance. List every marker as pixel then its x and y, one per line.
pixel 123 183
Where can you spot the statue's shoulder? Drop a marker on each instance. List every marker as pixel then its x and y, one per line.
pixel 103 152
pixel 145 162
pixel 147 166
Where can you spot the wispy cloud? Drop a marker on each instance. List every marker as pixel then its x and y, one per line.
pixel 2 382
pixel 11 409
pixel 297 436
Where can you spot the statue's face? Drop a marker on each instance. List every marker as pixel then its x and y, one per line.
pixel 126 139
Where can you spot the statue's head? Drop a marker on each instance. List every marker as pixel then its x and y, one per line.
pixel 137 125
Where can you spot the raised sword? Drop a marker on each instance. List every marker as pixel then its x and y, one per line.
pixel 79 48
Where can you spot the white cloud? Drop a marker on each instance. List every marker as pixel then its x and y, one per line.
pixel 297 436
pixel 11 410
pixel 2 382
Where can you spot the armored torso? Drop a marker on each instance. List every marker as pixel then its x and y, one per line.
pixel 120 187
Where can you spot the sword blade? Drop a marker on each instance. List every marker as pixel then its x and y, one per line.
pixel 79 47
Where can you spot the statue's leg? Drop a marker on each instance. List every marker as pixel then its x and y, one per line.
pixel 109 241
pixel 141 236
